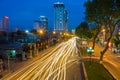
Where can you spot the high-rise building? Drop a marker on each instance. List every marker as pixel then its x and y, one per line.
pixel 5 23
pixel 60 17
pixel 41 24
pixel 44 22
pixel 66 20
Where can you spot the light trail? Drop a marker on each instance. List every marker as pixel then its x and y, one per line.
pixel 52 66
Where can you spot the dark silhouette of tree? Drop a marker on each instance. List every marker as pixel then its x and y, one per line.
pixel 103 12
pixel 34 31
pixel 83 30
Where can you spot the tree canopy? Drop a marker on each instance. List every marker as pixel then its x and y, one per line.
pixel 103 12
pixel 83 30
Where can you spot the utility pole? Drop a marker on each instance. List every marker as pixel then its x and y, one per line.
pixel 8 57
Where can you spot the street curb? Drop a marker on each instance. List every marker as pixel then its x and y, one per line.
pixel 96 60
pixel 114 78
pixel 84 71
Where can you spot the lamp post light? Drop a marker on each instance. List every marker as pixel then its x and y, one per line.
pixel 54 32
pixel 30 46
pixel 60 33
pixel 41 31
pixel 103 30
pixel 90 51
pixel 26 31
pixel 119 33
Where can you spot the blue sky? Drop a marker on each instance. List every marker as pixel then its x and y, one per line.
pixel 22 13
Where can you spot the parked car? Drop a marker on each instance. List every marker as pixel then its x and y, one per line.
pixel 84 42
pixel 116 50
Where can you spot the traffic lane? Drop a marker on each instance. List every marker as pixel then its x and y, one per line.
pixel 26 66
pixel 70 47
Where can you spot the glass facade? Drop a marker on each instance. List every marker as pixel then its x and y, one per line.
pixel 41 24
pixel 60 17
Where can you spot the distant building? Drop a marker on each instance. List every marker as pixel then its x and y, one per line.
pixel 41 24
pixel 60 17
pixel 4 24
pixel 0 25
pixel 44 22
pixel 36 24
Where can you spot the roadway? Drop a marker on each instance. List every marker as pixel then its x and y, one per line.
pixel 59 63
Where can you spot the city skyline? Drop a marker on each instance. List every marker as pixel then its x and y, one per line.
pixel 22 14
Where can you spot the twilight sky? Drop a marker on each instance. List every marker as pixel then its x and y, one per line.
pixel 22 13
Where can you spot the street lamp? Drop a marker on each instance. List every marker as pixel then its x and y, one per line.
pixel 90 51
pixel 41 31
pixel 54 32
pixel 119 33
pixel 60 33
pixel 26 31
pixel 103 30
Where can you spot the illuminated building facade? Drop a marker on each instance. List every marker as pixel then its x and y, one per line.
pixel 41 24
pixel 4 24
pixel 36 24
pixel 44 22
pixel 60 17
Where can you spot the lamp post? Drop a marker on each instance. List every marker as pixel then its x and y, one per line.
pixel 54 32
pixel 41 31
pixel 103 39
pixel 8 61
pixel 103 30
pixel 90 51
pixel 30 48
pixel 54 37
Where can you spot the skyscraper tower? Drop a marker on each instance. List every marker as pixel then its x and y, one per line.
pixel 60 17
pixel 5 23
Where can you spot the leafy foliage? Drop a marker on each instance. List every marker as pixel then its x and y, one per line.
pixel 103 12
pixel 83 30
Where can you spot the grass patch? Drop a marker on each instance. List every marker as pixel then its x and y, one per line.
pixel 96 71
pixel 84 52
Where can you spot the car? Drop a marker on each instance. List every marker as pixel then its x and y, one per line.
pixel 116 50
pixel 84 42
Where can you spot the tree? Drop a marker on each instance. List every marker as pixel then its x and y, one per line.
pixel 83 30
pixel 102 13
pixel 34 31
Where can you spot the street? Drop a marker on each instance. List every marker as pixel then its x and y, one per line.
pixel 60 63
